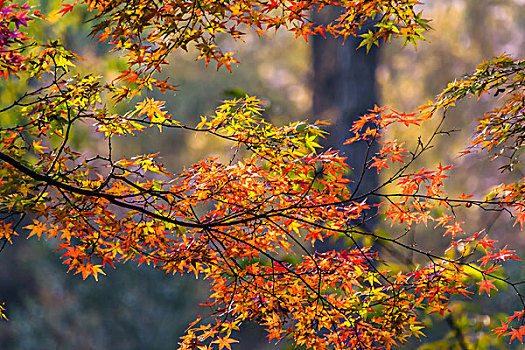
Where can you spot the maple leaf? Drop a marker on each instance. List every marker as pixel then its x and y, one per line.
pixel 486 258
pixel 21 18
pixel 517 334
pixel 464 196
pixel 486 243
pixel 454 229
pixel 443 220
pixel 501 330
pixel 66 8
pixel 225 342
pixel 37 146
pixel 379 163
pixel 37 228
pixel 95 270
pixel 6 232
pixel 486 285
pixel 520 218
pixel 227 59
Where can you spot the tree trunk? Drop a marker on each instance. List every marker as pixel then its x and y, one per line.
pixel 344 89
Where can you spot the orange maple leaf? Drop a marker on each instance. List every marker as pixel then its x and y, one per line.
pixel 379 163
pixel 225 342
pixel 37 228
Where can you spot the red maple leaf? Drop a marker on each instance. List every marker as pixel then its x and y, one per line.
pixel 486 285
pixel 517 334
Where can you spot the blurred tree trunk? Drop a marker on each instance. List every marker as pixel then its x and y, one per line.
pixel 344 88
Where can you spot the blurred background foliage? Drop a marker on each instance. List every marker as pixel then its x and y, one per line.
pixel 139 308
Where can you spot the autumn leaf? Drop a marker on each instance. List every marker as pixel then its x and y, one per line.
pixel 517 334
pixel 486 285
pixel 37 146
pixel 37 228
pixel 225 342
